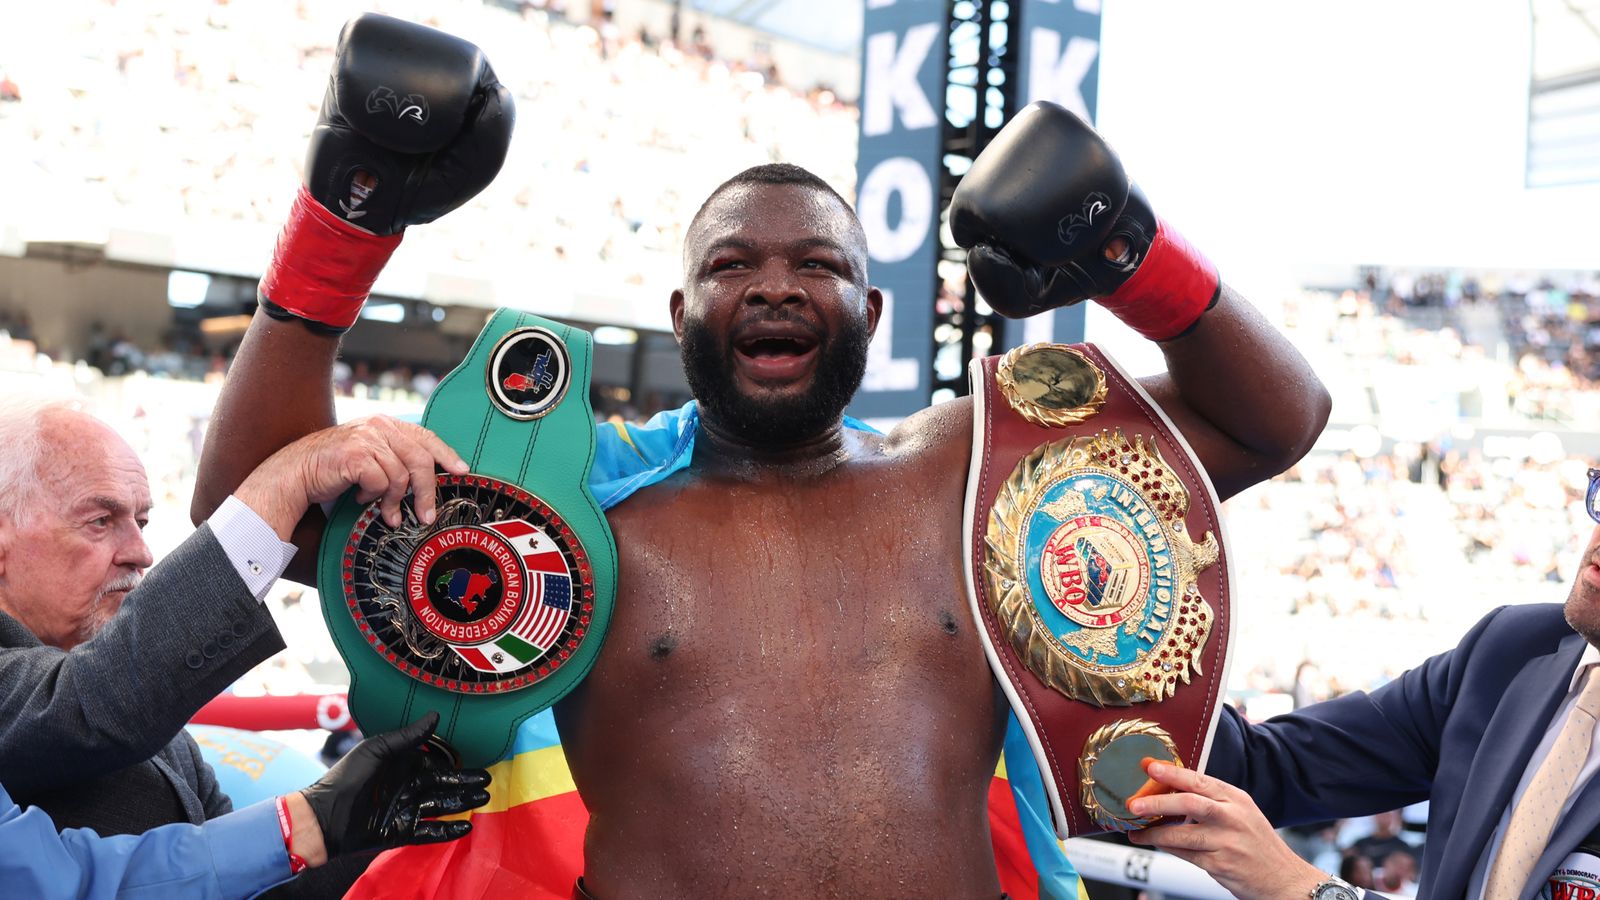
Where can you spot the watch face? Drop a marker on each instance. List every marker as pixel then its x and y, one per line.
pixel 1335 890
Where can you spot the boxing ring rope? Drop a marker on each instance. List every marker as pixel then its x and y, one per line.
pixel 1137 867
pixel 277 713
pixel 1148 870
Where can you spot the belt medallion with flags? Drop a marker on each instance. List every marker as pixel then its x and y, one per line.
pixel 497 609
pixel 1097 574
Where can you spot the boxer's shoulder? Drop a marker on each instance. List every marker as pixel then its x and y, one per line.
pixel 651 499
pixel 933 445
pixel 937 439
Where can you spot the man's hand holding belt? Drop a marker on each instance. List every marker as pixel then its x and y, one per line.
pixel 385 793
pixel 381 457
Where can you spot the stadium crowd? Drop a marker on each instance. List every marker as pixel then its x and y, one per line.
pixel 194 114
pixel 1547 323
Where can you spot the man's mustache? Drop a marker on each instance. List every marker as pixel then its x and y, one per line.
pixel 775 316
pixel 121 583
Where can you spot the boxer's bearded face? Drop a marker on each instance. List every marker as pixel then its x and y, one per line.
pixel 773 416
pixel 775 316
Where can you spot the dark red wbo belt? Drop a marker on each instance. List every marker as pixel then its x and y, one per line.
pixel 1098 575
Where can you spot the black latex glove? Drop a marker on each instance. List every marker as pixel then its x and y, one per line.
pixel 382 793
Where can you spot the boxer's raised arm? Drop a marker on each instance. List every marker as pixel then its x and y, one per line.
pixel 1243 397
pixel 278 389
pixel 1050 218
pixel 414 123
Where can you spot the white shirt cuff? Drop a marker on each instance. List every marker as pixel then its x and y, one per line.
pixel 251 545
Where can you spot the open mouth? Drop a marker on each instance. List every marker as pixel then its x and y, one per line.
pixel 775 355
pixel 773 347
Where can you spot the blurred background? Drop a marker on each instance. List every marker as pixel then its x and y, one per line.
pixel 1408 189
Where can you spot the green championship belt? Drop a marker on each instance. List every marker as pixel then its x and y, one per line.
pixel 497 609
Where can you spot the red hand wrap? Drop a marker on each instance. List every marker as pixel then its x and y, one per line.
pixel 323 268
pixel 296 864
pixel 1173 286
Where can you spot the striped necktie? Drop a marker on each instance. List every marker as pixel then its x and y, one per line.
pixel 1540 805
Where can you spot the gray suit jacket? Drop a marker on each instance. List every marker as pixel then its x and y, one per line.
pixel 95 737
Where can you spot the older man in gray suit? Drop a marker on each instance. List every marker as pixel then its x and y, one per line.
pixel 101 664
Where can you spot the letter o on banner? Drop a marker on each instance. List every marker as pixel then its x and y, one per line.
pixel 905 175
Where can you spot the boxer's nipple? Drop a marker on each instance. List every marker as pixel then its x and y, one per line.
pixel 663 646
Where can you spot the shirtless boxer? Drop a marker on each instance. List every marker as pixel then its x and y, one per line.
pixel 792 699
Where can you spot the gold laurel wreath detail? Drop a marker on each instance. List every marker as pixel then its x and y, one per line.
pixel 1178 652
pixel 1038 414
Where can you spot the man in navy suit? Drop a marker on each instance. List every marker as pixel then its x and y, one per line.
pixel 1469 731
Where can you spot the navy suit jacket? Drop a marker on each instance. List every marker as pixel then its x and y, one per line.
pixel 1457 731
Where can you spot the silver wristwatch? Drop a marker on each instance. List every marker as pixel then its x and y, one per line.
pixel 1335 889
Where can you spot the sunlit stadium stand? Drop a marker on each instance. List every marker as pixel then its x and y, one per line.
pixel 148 171
pixel 175 139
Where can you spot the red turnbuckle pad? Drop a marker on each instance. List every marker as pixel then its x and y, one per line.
pixel 323 268
pixel 1173 286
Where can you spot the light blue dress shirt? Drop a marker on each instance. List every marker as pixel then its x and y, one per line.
pixel 240 854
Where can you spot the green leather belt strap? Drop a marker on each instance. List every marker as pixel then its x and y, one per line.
pixel 474 409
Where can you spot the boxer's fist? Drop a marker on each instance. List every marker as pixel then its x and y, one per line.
pixel 413 125
pixel 1036 211
pixel 1050 218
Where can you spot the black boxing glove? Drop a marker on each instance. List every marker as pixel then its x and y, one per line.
pixel 1037 212
pixel 413 125
pixel 386 791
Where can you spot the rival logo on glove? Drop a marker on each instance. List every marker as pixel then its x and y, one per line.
pixel 411 106
pixel 1070 225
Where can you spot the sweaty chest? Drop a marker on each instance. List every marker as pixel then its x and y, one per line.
pixel 802 585
pixel 773 651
